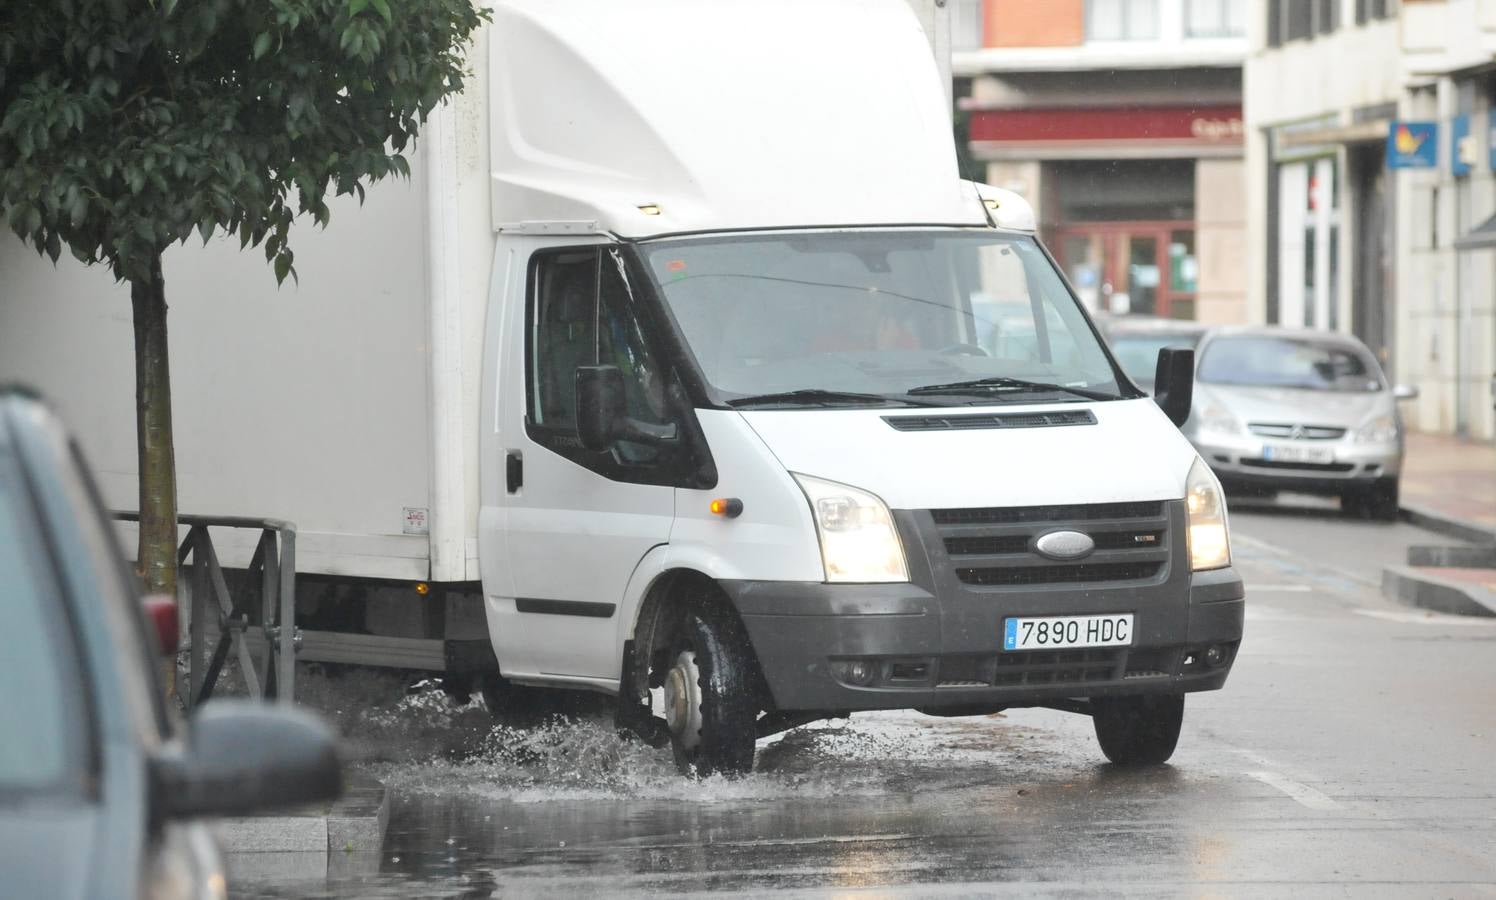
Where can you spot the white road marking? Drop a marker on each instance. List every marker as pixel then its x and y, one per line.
pixel 1303 794
pixel 1302 560
pixel 1413 617
pixel 1279 588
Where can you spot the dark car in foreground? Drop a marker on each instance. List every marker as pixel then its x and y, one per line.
pixel 101 785
pixel 1136 340
pixel 1297 410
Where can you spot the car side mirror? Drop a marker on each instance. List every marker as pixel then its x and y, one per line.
pixel 602 412
pixel 1404 392
pixel 242 757
pixel 1174 383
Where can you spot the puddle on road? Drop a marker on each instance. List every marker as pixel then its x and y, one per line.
pixel 418 741
pixel 518 808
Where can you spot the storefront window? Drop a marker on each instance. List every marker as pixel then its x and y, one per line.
pixel 1184 271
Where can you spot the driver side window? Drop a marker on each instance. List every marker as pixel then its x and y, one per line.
pixel 582 313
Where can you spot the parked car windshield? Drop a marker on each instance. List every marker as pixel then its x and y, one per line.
pixel 1289 362
pixel 44 750
pixel 1137 353
pixel 877 312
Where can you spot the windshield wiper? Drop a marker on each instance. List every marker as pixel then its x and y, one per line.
pixel 1004 383
pixel 820 396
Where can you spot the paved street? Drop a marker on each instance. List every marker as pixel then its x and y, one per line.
pixel 1353 751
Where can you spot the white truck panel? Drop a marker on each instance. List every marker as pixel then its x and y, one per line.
pixel 307 403
pixel 602 107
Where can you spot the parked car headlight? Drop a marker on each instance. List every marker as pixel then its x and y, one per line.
pixel 1218 419
pixel 1381 430
pixel 858 539
pixel 1209 540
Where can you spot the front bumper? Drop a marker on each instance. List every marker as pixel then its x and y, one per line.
pixel 1239 460
pixel 935 643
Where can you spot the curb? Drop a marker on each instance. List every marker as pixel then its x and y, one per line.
pixel 1449 526
pixel 354 823
pixel 1446 595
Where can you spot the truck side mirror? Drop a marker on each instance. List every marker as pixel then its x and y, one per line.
pixel 602 412
pixel 1174 383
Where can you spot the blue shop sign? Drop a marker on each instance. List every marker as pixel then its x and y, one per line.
pixel 1459 130
pixel 1413 145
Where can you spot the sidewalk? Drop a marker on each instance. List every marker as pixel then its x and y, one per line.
pixel 1449 485
pixel 1450 478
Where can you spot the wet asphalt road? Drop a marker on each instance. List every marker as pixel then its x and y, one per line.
pixel 1352 752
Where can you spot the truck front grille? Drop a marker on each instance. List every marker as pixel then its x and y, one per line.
pixel 1090 666
pixel 995 547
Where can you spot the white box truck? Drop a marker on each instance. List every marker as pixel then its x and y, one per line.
pixel 686 365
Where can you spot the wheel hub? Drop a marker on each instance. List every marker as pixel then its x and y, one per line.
pixel 683 700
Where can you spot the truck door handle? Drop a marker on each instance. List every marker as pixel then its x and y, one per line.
pixel 514 471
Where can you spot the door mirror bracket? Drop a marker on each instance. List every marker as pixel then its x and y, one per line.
pixel 602 412
pixel 1174 383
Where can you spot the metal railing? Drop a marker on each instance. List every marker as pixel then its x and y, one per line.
pixel 244 626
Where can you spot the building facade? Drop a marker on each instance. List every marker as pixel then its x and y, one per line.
pixel 1370 156
pixel 1121 121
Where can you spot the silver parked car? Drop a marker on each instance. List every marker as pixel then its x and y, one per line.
pixel 1311 411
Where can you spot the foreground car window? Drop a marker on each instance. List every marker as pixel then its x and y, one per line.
pixel 1288 363
pixel 45 748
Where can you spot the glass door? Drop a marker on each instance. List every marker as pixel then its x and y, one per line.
pixel 1132 268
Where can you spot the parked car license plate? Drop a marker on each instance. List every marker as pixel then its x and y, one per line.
pixel 1067 631
pixel 1289 453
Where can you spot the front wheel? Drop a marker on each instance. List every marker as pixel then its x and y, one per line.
pixel 711 697
pixel 1138 731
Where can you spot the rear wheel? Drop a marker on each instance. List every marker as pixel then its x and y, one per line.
pixel 711 696
pixel 1138 731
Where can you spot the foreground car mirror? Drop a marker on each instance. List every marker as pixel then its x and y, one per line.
pixel 1174 383
pixel 242 757
pixel 602 412
pixel 1404 392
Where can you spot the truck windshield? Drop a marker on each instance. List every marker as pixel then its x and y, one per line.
pixel 954 316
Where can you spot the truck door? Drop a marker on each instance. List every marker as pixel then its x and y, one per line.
pixel 576 522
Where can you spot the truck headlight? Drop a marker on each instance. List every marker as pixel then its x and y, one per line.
pixel 858 540
pixel 1209 542
pixel 1381 430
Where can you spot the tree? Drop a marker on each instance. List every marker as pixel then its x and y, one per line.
pixel 126 125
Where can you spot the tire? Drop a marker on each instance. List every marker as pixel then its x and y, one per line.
pixel 1382 500
pixel 1138 731
pixel 1379 501
pixel 711 695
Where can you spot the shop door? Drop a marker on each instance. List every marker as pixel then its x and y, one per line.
pixel 1132 268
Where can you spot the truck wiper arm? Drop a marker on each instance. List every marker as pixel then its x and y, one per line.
pixel 1003 382
pixel 821 396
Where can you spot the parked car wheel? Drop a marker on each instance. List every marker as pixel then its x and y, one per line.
pixel 1380 501
pixel 1138 731
pixel 711 704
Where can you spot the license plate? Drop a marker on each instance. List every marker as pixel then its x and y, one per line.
pixel 1067 631
pixel 1290 453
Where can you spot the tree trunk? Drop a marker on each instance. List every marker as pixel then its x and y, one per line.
pixel 158 480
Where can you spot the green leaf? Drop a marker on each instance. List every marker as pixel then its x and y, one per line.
pixel 262 44
pixel 282 267
pixel 383 8
pixel 357 6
